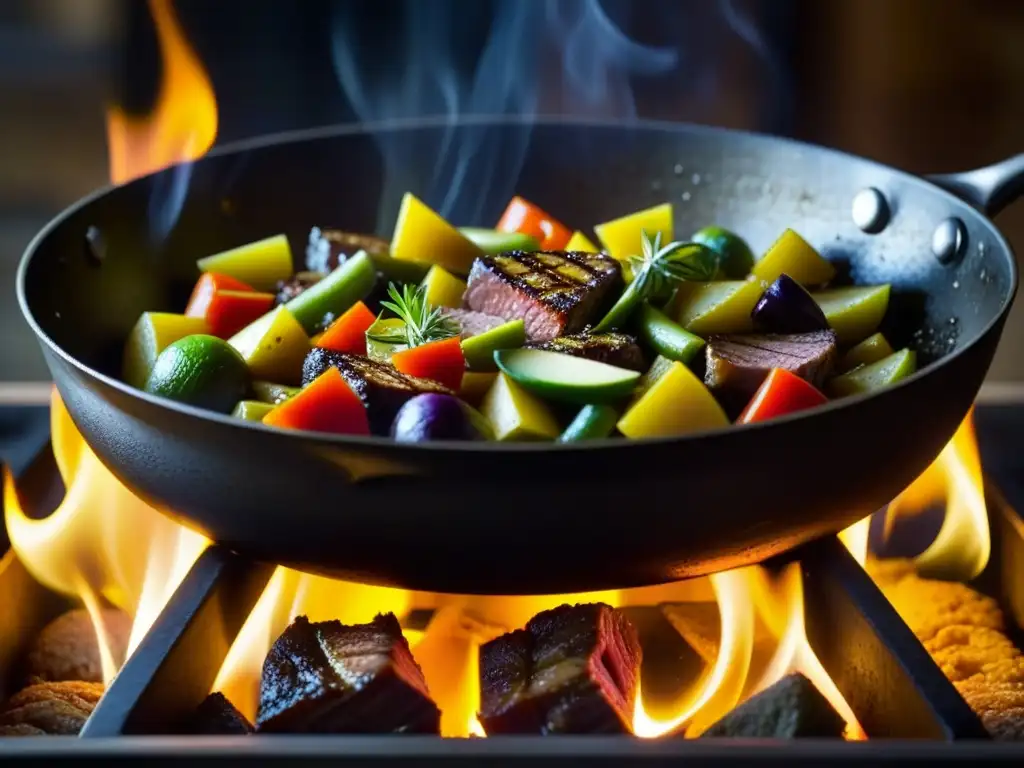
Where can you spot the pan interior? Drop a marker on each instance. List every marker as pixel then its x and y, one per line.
pixel 133 249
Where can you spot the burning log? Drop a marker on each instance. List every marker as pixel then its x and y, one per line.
pixel 50 709
pixel 573 669
pixel 331 678
pixel 791 709
pixel 217 716
pixel 67 648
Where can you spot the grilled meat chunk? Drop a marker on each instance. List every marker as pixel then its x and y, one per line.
pixel 328 248
pixel 618 349
pixel 294 285
pixel 473 323
pixel 736 365
pixel 382 388
pixel 217 716
pixel 573 669
pixel 554 292
pixel 50 709
pixel 332 678
pixel 791 709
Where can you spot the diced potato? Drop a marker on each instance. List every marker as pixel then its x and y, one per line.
pixel 260 264
pixel 443 288
pixel 868 378
pixel 794 256
pixel 580 242
pixel 621 237
pixel 719 307
pixel 274 347
pixel 422 235
pixel 152 334
pixel 675 403
pixel 475 385
pixel 871 350
pixel 515 414
pixel 251 410
pixel 854 313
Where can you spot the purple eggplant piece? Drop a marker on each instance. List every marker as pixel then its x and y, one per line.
pixel 785 307
pixel 439 417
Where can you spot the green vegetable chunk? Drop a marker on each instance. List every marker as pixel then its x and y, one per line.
pixel 868 378
pixel 346 285
pixel 667 338
pixel 735 259
pixel 720 307
pixel 854 313
pixel 260 264
pixel 564 377
pixel 493 242
pixel 479 350
pixel 592 423
pixel 151 335
pixel 515 414
pixel 399 270
pixel 871 350
pixel 386 328
pixel 251 410
pixel 200 370
pixel 273 346
pixel 271 393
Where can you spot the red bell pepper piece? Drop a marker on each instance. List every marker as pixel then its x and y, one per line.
pixel 780 393
pixel 348 332
pixel 326 404
pixel 230 311
pixel 525 217
pixel 208 284
pixel 441 361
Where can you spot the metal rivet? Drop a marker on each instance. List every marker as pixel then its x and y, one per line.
pixel 95 245
pixel 870 210
pixel 949 240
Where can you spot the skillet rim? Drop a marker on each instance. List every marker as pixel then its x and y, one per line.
pixel 458 447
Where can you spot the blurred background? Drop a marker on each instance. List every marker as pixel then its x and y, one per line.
pixel 924 85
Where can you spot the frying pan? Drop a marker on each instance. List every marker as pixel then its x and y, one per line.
pixel 531 518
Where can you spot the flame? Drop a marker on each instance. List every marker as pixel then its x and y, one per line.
pixel 183 123
pixel 101 544
pixel 962 546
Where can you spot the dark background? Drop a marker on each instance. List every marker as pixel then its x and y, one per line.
pixel 925 85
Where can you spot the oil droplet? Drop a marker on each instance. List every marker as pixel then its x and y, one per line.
pixel 956 284
pixel 655 185
pixel 686 197
pixel 678 170
pixel 695 178
pixel 952 321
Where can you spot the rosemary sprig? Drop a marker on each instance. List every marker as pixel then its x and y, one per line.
pixel 422 323
pixel 659 268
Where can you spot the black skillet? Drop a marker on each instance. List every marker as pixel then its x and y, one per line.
pixel 500 518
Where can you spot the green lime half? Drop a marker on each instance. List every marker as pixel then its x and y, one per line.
pixel 200 370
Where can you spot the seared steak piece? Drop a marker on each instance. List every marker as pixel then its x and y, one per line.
pixel 612 348
pixel 294 285
pixel 382 388
pixel 554 292
pixel 217 716
pixel 473 323
pixel 791 709
pixel 736 365
pixel 332 678
pixel 573 669
pixel 328 248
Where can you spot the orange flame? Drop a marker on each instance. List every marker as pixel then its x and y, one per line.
pixel 183 123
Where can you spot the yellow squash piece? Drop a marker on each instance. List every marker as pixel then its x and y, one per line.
pixel 877 375
pixel 273 347
pixel 515 414
pixel 871 350
pixel 422 235
pixel 251 410
pixel 443 288
pixel 793 255
pixel 152 334
pixel 621 237
pixel 719 307
pixel 475 385
pixel 676 403
pixel 260 264
pixel 854 313
pixel 580 242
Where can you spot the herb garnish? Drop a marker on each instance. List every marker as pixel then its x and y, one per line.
pixel 423 323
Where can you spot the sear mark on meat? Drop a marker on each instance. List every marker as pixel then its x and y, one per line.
pixel 328 677
pixel 617 349
pixel 328 248
pixel 791 709
pixel 50 709
pixel 295 285
pixel 573 669
pixel 473 323
pixel 217 716
pixel 736 365
pixel 382 387
pixel 554 292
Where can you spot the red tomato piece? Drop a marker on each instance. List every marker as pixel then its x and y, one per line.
pixel 441 361
pixel 525 217
pixel 348 332
pixel 230 311
pixel 326 404
pixel 780 393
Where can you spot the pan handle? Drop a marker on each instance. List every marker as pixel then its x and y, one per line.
pixel 989 189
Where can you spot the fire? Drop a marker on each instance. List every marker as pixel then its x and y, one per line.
pixel 183 123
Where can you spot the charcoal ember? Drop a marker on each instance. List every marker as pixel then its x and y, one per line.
pixel 327 677
pixel 618 349
pixel 554 292
pixel 295 285
pixel 67 648
pixel 573 669
pixel 791 709
pixel 216 716
pixel 50 709
pixel 700 625
pixel 327 248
